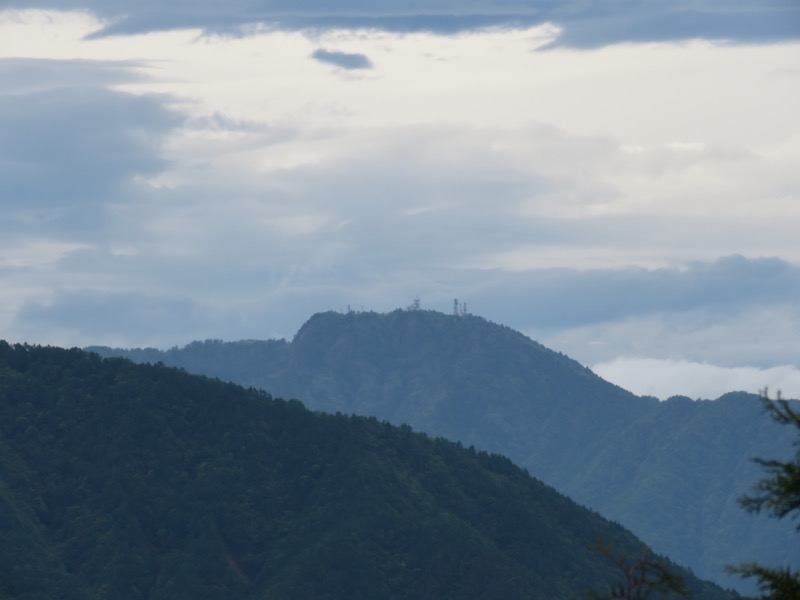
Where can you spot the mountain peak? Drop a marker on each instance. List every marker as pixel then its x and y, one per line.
pixel 667 469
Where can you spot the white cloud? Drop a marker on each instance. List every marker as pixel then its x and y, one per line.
pixel 666 378
pixel 24 253
pixel 45 34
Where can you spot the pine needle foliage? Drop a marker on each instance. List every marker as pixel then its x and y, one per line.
pixel 779 496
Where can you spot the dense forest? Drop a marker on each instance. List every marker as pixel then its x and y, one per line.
pixel 131 481
pixel 671 471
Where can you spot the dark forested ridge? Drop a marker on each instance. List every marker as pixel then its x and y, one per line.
pixel 131 481
pixel 671 471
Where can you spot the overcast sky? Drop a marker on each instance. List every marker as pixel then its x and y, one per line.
pixel 619 181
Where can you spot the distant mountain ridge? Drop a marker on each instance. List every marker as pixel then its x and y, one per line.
pixel 671 471
pixel 125 481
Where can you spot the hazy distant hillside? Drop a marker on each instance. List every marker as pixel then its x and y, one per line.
pixel 126 481
pixel 671 471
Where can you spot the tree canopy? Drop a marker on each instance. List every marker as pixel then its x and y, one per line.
pixel 140 481
pixel 778 495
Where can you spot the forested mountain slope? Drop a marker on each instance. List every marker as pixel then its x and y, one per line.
pixel 671 471
pixel 130 481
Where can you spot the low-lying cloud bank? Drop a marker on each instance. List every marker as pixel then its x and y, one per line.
pixel 666 378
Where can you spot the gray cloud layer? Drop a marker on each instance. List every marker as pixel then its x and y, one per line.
pixel 558 298
pixel 717 311
pixel 69 143
pixel 585 25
